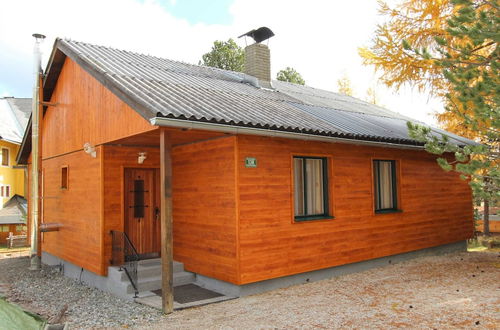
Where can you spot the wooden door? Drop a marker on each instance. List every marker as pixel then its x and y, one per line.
pixel 142 210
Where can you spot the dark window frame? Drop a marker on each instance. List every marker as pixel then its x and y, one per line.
pixel 65 177
pixel 326 196
pixel 394 184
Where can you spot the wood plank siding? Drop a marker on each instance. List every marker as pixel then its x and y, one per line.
pixel 77 209
pixel 6 229
pixel 116 159
pixel 205 206
pixel 86 111
pixel 437 208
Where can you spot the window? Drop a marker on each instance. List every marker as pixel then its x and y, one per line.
pixel 21 228
pixel 139 198
pixel 4 228
pixel 5 157
pixel 5 191
pixel 386 196
pixel 64 177
pixel 311 188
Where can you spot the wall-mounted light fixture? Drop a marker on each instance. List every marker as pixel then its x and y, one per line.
pixel 90 149
pixel 142 157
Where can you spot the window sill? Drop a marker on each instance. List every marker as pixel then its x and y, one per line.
pixel 388 211
pixel 314 217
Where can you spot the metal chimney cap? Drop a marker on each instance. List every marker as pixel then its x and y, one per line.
pixel 260 34
pixel 38 36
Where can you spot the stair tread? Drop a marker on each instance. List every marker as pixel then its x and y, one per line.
pixel 149 276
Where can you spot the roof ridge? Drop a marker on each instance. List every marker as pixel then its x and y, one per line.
pixel 153 56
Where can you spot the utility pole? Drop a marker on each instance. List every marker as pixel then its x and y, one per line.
pixel 35 263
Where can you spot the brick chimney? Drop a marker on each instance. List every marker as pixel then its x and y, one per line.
pixel 258 63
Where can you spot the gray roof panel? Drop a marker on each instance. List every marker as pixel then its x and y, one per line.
pixel 161 87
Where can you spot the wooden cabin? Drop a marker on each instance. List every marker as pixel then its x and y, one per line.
pixel 13 220
pixel 267 182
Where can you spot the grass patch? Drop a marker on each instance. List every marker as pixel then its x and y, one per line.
pixel 4 249
pixel 484 243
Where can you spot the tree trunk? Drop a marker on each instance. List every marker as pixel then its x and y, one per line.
pixel 486 218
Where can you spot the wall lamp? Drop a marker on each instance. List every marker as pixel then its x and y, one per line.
pixel 142 157
pixel 90 149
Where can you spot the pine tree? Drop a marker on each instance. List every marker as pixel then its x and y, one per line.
pixel 290 75
pixel 225 55
pixel 469 62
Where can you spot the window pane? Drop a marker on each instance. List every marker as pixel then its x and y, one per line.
pixel 298 169
pixel 314 174
pixel 138 198
pixel 384 185
pixel 5 157
pixel 64 177
pixel 7 191
pixel 309 186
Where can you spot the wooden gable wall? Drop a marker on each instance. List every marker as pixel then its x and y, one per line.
pixel 85 112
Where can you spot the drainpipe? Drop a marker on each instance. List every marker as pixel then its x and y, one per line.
pixel 35 263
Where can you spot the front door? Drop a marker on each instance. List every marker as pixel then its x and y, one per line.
pixel 142 210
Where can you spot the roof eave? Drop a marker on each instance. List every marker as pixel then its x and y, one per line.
pixel 232 129
pixel 25 150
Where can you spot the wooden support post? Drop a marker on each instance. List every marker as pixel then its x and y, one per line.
pixel 167 295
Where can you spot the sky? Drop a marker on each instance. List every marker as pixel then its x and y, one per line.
pixel 319 39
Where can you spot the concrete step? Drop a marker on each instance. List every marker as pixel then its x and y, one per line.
pixel 178 266
pixel 148 276
pixel 182 278
pixel 151 268
pixel 154 283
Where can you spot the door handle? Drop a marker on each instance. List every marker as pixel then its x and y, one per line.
pixel 157 213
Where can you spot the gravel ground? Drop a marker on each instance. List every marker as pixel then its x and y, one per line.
pixel 460 290
pixel 50 294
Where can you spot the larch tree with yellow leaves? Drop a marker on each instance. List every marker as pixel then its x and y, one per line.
pixel 344 86
pixel 449 48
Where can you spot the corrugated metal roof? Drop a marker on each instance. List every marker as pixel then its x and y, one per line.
pixel 14 210
pixel 179 90
pixel 370 125
pixel 14 115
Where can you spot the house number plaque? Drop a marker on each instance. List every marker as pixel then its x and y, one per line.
pixel 250 162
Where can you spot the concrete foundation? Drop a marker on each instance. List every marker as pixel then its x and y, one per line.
pixel 230 289
pixel 70 270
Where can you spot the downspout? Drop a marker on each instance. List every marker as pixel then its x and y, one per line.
pixel 35 263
